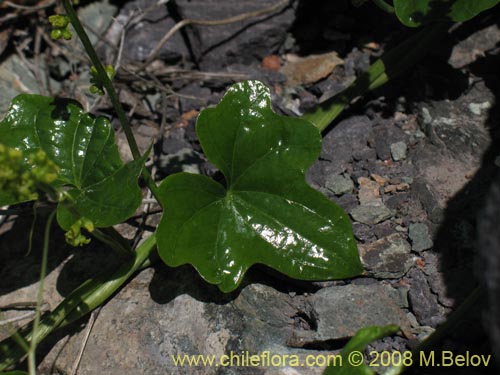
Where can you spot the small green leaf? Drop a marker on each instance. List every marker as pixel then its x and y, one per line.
pixel 463 10
pixel 266 213
pixel 412 12
pixel 352 358
pixel 101 187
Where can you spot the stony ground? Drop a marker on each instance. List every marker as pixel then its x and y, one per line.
pixel 410 164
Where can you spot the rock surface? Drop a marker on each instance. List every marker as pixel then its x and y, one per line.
pixel 388 257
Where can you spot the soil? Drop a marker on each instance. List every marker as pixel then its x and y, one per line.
pixel 411 163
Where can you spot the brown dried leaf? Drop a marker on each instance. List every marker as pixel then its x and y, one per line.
pixel 310 69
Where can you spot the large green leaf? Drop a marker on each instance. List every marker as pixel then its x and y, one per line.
pixel 463 10
pixel 102 188
pixel 412 12
pixel 266 213
pixel 352 362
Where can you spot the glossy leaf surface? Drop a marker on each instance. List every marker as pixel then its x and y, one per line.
pixel 352 363
pixel 102 188
pixel 463 10
pixel 266 213
pixel 412 12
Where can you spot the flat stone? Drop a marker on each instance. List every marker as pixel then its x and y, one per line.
pixel 160 314
pixel 247 41
pixel 342 310
pixel 371 214
pixel 380 180
pixel 399 151
pixel 369 192
pixel 339 184
pixel 423 303
pixel 420 237
pixel 388 257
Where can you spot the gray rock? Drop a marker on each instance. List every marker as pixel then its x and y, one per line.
pixel 184 160
pixel 371 214
pixel 174 141
pixel 194 97
pixel 240 42
pixel 163 314
pixel 362 232
pixel 387 258
pixel 364 153
pixel 143 37
pixel 477 108
pixel 384 135
pixel 423 303
pixel 339 184
pixel 428 197
pixel 399 151
pixel 342 310
pixel 420 237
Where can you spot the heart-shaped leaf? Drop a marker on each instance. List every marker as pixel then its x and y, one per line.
pixel 266 213
pixel 102 188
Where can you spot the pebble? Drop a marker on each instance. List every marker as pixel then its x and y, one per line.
pixel 339 184
pixel 369 192
pixel 371 214
pixel 399 151
pixel 477 108
pixel 420 237
pixel 342 310
pixel 387 258
pixel 379 179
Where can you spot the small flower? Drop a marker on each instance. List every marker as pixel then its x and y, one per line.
pixel 74 236
pixel 23 181
pixel 97 85
pixel 60 27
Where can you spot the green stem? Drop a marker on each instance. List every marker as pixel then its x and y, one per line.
pixel 110 89
pixel 39 302
pixel 89 295
pixel 384 6
pixel 391 65
pixel 114 240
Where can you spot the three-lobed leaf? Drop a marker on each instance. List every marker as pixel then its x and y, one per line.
pixel 101 187
pixel 266 213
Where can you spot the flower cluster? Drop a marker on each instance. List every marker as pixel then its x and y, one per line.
pixel 20 182
pixel 97 84
pixel 74 236
pixel 60 27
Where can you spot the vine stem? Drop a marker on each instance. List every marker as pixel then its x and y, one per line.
pixel 110 89
pixel 384 6
pixel 88 296
pixel 389 66
pixel 39 302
